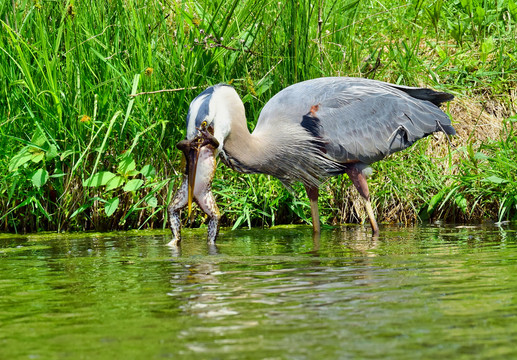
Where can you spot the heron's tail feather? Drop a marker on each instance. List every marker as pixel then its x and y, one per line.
pixel 436 97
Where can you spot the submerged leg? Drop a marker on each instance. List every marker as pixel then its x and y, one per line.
pixel 359 180
pixel 207 203
pixel 178 202
pixel 312 194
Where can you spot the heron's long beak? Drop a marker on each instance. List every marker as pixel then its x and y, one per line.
pixel 190 149
pixel 192 157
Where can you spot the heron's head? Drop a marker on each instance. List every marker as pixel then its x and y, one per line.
pixel 209 122
pixel 214 109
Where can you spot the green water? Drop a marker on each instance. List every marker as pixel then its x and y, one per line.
pixel 414 293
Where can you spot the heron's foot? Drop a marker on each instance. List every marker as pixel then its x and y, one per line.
pixel 175 224
pixel 174 242
pixel 375 234
pixel 176 235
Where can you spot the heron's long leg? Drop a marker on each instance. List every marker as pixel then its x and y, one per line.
pixel 178 202
pixel 361 185
pixel 312 194
pixel 207 203
pixel 373 222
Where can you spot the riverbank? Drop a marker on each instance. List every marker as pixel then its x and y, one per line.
pixel 88 144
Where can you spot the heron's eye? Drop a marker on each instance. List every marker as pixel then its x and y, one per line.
pixel 203 124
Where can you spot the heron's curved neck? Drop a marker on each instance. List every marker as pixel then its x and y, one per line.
pixel 245 152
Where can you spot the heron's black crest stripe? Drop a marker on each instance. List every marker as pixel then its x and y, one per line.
pixel 204 108
pixel 205 97
pixel 203 112
pixel 207 91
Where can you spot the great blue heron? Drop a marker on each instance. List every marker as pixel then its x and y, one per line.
pixel 308 131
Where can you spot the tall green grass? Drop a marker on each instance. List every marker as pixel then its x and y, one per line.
pixel 485 185
pixel 78 152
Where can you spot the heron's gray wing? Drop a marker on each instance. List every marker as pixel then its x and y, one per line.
pixel 357 119
pixel 367 126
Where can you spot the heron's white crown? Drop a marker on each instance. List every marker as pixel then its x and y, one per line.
pixel 216 105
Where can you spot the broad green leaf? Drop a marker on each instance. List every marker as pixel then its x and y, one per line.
pixel 133 185
pixel 495 180
pixel 111 206
pixel 461 202
pixel 99 179
pixel 37 156
pixel 126 165
pixel 51 152
pixel 467 4
pixel 38 138
pixel 22 157
pixel 148 171
pixel 480 14
pixel 39 178
pixel 480 156
pixel 152 202
pixel 488 45
pixel 441 53
pixel 435 200
pixel 114 183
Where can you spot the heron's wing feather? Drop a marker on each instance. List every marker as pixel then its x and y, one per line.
pixel 368 127
pixel 356 119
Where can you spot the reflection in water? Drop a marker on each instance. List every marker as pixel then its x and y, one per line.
pixel 204 301
pixel 176 249
pixel 418 292
pixel 207 290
